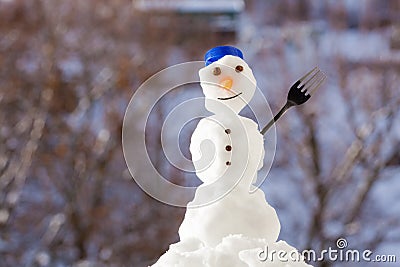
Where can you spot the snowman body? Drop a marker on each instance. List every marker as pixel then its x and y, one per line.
pixel 227 151
pixel 220 143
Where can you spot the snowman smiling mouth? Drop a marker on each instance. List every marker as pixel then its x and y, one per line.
pixel 227 98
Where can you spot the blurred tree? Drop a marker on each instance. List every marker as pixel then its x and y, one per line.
pixel 67 71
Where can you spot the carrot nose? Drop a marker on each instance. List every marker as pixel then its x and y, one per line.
pixel 226 83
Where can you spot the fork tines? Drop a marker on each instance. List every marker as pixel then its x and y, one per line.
pixel 310 82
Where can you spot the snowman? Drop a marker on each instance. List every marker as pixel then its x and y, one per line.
pixel 229 220
pixel 228 84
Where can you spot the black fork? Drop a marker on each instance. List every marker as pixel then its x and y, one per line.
pixel 299 93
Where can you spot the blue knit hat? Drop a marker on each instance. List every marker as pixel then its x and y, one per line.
pixel 218 52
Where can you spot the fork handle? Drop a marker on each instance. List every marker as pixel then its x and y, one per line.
pixel 276 118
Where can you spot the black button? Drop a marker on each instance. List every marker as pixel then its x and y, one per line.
pixel 228 163
pixel 228 148
pixel 228 131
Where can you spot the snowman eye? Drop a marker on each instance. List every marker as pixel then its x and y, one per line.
pixel 217 71
pixel 239 68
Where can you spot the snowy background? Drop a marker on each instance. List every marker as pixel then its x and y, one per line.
pixel 69 68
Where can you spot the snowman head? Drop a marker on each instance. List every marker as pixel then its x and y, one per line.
pixel 226 79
